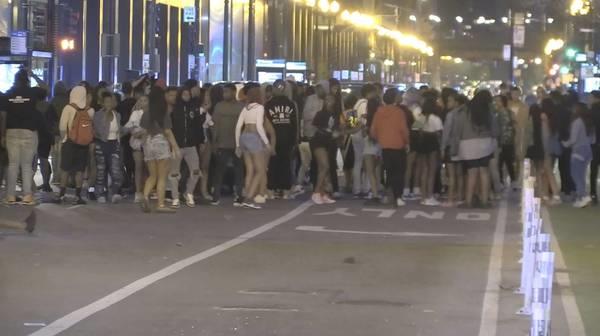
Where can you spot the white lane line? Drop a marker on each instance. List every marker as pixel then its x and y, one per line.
pixel 491 299
pixel 77 316
pixel 74 207
pixel 396 234
pixel 574 320
pixel 257 309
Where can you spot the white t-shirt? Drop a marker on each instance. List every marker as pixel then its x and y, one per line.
pixel 432 123
pixel 113 131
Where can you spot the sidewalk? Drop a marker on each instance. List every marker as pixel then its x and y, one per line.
pixel 578 234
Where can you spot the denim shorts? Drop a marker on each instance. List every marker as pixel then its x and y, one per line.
pixel 156 148
pixel 251 143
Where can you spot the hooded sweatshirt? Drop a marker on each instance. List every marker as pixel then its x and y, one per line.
pixel 77 98
pixel 225 118
pixel 61 97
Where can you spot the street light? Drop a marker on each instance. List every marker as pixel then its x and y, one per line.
pixel 435 18
pixel 580 7
pixel 550 20
pixel 67 44
pixel 324 6
pixel 459 19
pixel 537 61
pixel 504 19
pixel 413 18
pixel 334 7
pixel 552 45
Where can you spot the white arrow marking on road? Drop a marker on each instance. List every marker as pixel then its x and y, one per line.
pixel 337 211
pixel 414 214
pixel 396 234
pixel 383 213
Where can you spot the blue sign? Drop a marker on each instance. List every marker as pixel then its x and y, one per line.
pixel 18 42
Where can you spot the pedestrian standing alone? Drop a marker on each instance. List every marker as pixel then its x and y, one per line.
pixel 390 130
pixel 159 147
pixel 582 137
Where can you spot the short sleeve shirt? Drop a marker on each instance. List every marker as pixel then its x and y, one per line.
pixel 432 124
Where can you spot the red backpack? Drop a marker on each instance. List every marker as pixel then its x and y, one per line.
pixel 81 132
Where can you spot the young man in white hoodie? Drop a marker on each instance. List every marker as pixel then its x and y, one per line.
pixel 74 157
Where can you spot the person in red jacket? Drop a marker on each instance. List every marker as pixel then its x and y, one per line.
pixel 390 130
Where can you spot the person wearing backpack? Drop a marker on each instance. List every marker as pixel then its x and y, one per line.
pixel 77 134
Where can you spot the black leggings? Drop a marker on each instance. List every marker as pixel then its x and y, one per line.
pixel 507 158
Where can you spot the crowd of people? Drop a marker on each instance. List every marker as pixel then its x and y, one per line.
pixel 261 142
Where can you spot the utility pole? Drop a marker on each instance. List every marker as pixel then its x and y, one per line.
pixel 151 35
pixel 251 41
pixel 226 38
pixel 511 70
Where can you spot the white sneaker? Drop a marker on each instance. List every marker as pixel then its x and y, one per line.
pixel 555 200
pixel 116 198
pixel 189 200
pixel 317 199
pixel 139 197
pixel 175 204
pixel 583 202
pixel 431 202
pixel 417 193
pixel 400 202
pixel 327 200
pixel 260 199
pixel 298 189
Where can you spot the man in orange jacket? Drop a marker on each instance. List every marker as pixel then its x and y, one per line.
pixel 390 129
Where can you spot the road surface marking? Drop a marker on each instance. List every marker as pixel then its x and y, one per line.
pixel 574 320
pixel 383 213
pixel 257 309
pixel 397 234
pixel 491 299
pixel 77 316
pixel 74 207
pixel 337 211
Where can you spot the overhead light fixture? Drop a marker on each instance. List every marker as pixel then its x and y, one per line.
pixel 413 18
pixel 537 60
pixel 435 18
pixel 459 19
pixel 504 19
pixel 334 7
pixel 550 20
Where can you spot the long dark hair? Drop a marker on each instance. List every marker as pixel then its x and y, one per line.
pixel 430 107
pixel 157 106
pixel 479 108
pixel 582 111
pixel 549 109
pixel 372 106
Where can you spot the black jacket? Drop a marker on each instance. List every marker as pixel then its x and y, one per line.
pixel 187 125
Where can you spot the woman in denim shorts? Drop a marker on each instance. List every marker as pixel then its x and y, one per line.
pixel 252 142
pixel 159 146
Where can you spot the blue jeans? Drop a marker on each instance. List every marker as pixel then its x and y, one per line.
pixel 578 174
pixel 108 161
pixel 21 145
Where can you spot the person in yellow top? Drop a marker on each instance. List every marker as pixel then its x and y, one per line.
pixel 521 115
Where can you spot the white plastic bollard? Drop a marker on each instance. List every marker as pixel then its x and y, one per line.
pixel 538 322
pixel 529 257
pixel 545 271
pixel 528 218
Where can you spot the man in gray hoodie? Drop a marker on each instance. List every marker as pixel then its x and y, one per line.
pixel 225 117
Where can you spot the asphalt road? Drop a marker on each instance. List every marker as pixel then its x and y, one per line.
pixel 290 269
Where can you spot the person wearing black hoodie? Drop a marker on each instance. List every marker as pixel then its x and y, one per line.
pixel 282 113
pixel 58 103
pixel 595 110
pixel 187 129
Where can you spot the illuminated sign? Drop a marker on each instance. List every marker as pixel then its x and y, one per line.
pixel 18 43
pixel 270 63
pixel 189 14
pixel 295 66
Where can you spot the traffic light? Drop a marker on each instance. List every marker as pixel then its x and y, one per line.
pixel 570 53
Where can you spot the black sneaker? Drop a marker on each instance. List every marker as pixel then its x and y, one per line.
pixel 30 222
pixel 91 195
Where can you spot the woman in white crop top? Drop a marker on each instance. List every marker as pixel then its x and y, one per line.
pixel 252 142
